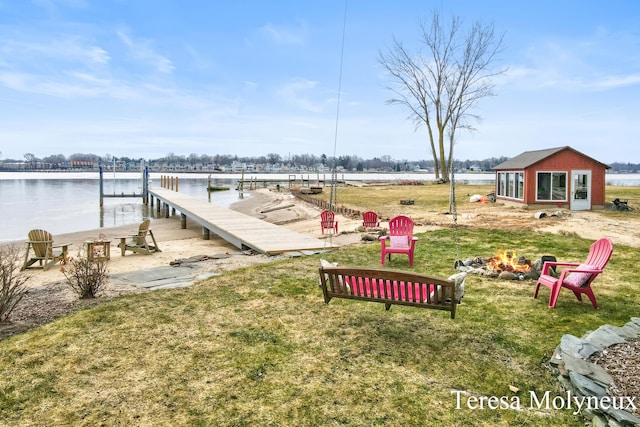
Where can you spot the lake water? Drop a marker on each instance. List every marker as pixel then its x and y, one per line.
pixel 69 202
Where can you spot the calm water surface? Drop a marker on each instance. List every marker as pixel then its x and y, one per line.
pixel 70 202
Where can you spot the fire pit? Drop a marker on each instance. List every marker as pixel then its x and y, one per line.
pixel 505 265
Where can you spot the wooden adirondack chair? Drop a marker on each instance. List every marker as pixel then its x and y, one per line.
pixel 44 252
pixel 577 277
pixel 400 239
pixel 370 220
pixel 138 242
pixel 327 220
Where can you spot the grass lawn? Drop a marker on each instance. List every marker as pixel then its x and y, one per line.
pixel 257 346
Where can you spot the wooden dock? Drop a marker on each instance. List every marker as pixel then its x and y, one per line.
pixel 242 231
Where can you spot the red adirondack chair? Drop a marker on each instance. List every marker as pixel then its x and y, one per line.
pixel 370 220
pixel 400 239
pixel 577 277
pixel 327 220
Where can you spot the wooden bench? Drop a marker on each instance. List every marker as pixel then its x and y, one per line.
pixel 388 287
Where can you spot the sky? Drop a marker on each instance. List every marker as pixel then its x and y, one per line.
pixel 145 78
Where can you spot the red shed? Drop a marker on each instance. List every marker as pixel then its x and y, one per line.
pixel 562 177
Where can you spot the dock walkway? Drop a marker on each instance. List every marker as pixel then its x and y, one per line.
pixel 242 231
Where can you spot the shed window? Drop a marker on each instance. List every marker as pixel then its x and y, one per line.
pixel 551 186
pixel 511 185
pixel 520 185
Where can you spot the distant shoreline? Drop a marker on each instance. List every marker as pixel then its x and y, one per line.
pixel 472 178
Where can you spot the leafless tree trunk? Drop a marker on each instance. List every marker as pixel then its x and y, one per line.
pixel 441 85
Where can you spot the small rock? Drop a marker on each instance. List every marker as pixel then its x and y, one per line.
pixel 507 275
pixel 368 237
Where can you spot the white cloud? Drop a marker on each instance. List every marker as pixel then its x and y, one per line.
pixel 141 49
pixel 614 81
pixel 98 55
pixel 600 61
pixel 64 48
pixel 567 80
pixel 89 78
pixel 198 61
pixel 293 93
pixel 14 81
pixel 71 85
pixel 284 34
pixel 249 86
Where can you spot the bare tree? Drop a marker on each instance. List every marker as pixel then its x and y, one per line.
pixel 274 158
pixel 441 86
pixel 31 159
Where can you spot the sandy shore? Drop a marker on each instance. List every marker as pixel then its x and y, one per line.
pixel 176 243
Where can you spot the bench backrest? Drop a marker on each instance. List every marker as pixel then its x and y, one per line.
pixel 392 286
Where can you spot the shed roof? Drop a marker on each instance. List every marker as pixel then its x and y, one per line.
pixel 529 158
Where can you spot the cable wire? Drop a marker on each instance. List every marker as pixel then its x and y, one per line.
pixel 333 196
pixel 334 177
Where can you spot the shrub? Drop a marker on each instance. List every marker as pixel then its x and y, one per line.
pixel 12 281
pixel 86 277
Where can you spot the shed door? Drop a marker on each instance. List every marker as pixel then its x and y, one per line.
pixel 580 190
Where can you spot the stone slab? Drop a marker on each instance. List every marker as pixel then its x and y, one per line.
pixel 162 277
pixel 587 369
pixel 576 347
pixel 603 337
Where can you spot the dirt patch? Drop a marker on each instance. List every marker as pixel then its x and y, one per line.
pixel 593 225
pixel 41 305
